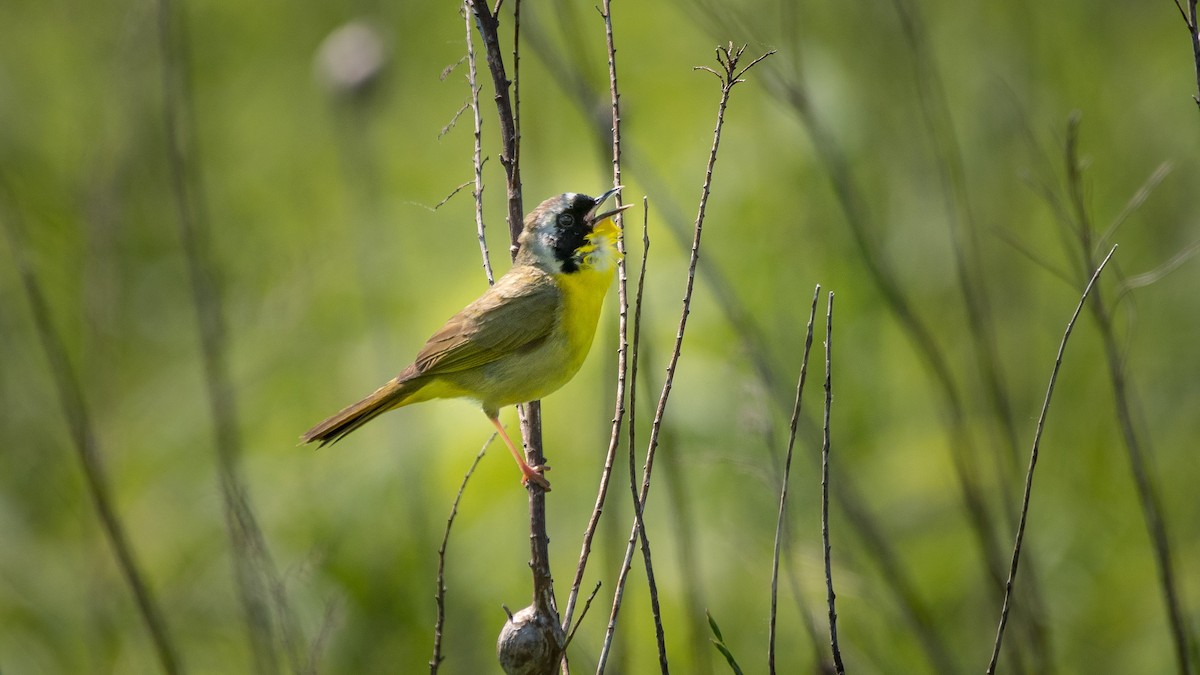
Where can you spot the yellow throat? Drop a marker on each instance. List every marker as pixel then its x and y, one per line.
pixel 584 289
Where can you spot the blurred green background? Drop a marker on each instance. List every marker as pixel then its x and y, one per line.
pixel 944 122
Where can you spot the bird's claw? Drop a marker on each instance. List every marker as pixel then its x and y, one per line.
pixel 534 474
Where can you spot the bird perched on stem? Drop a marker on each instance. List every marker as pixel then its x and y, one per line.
pixel 521 340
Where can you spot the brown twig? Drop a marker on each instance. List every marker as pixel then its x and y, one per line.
pixel 639 530
pixel 1189 20
pixel 488 26
pixel 545 611
pixel 1033 457
pixel 728 58
pixel 516 85
pixel 458 113
pixel 450 196
pixel 477 156
pixel 87 448
pixel 829 594
pixel 440 595
pixel 583 613
pixel 787 472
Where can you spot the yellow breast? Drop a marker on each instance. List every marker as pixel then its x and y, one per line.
pixel 583 296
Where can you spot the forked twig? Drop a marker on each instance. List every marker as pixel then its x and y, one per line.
pixel 787 471
pixel 583 613
pixel 488 26
pixel 1033 457
pixel 440 595
pixel 477 156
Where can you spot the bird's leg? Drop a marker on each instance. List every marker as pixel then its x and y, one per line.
pixel 528 473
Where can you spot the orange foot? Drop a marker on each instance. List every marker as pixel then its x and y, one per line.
pixel 534 473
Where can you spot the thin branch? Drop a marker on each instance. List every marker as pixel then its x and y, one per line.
pixel 729 63
pixel 87 448
pixel 1184 15
pixel 516 85
pixel 488 26
pixel 1033 457
pixel 829 594
pixel 1189 19
pixel 787 472
pixel 457 114
pixel 450 196
pixel 586 606
pixel 639 530
pixel 544 606
pixel 477 156
pixel 440 596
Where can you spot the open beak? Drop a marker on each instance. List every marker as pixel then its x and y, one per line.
pixel 593 217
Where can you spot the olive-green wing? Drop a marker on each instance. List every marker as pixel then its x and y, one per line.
pixel 518 311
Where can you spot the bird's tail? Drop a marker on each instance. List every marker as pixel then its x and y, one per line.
pixel 391 395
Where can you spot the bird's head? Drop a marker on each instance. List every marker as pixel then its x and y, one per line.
pixel 569 232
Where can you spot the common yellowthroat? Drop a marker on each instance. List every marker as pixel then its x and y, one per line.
pixel 525 337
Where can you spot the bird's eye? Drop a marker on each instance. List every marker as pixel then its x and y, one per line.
pixel 566 220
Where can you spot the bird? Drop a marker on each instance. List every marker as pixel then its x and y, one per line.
pixel 524 338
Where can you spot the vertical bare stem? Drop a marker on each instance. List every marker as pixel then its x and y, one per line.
pixel 516 84
pixel 727 57
pixel 489 26
pixel 87 448
pixel 1195 30
pixel 477 157
pixel 787 472
pixel 829 594
pixel 1033 457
